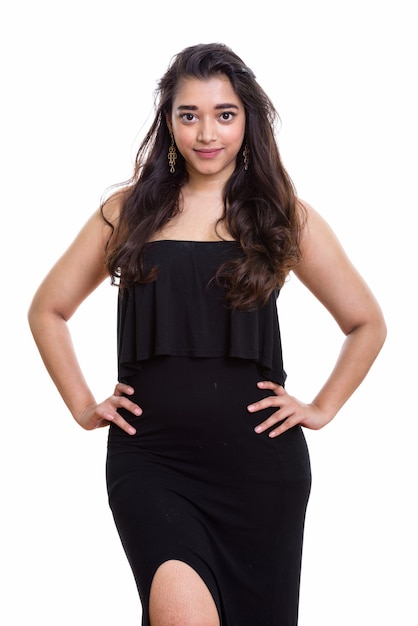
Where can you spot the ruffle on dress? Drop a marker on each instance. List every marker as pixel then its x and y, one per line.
pixel 183 312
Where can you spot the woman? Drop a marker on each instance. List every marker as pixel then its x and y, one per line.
pixel 208 471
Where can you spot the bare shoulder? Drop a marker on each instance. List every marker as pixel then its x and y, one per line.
pixel 313 224
pixel 90 246
pixel 112 206
pixel 327 271
pixel 82 266
pixel 319 243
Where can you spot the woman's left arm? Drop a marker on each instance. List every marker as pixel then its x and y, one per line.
pixel 328 273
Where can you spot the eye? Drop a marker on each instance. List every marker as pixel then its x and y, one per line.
pixel 187 117
pixel 227 116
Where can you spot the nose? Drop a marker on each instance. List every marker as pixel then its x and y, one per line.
pixel 207 131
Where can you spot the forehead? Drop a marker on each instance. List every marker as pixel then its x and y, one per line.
pixel 209 91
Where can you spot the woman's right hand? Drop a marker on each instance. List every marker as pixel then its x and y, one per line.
pixel 99 415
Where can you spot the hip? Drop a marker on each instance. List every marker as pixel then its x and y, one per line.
pixel 195 410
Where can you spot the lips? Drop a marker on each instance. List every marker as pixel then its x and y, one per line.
pixel 208 153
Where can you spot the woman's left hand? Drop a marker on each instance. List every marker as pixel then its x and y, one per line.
pixel 290 411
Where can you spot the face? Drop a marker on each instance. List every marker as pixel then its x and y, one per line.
pixel 208 124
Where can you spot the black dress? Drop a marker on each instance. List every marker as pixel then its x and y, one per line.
pixel 196 483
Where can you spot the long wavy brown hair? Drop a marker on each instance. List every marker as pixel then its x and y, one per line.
pixel 260 205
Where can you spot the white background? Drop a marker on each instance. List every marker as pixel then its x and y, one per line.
pixel 77 92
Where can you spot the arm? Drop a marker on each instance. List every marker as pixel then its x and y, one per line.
pixel 76 274
pixel 327 272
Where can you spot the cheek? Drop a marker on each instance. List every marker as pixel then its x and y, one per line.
pixel 184 137
pixel 235 140
pixel 234 134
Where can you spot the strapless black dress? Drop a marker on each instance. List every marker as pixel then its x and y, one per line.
pixel 196 483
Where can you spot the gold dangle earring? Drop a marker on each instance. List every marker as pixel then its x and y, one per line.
pixel 172 155
pixel 246 156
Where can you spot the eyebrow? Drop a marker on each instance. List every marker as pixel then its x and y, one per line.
pixel 192 107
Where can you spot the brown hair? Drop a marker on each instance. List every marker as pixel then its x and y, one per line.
pixel 260 204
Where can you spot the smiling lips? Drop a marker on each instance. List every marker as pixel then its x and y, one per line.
pixel 208 153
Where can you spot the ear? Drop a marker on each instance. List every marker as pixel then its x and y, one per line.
pixel 168 122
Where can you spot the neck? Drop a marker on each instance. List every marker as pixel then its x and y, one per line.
pixel 207 193
pixel 207 183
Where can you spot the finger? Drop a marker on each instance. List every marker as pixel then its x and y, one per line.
pixel 268 384
pixel 270 422
pixel 117 419
pixel 270 400
pixel 288 423
pixel 279 422
pixel 265 403
pixel 122 402
pixel 121 389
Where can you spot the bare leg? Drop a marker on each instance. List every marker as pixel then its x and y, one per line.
pixel 179 597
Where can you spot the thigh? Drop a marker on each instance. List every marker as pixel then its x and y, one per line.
pixel 179 597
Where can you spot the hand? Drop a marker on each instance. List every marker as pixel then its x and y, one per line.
pixel 289 409
pixel 99 415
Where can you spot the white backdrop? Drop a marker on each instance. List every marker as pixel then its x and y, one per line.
pixel 77 84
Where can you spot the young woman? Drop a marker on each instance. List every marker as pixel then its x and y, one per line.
pixel 208 471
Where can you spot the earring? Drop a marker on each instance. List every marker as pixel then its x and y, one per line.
pixel 172 155
pixel 246 156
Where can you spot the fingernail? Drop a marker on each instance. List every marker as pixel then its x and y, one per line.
pixel 258 429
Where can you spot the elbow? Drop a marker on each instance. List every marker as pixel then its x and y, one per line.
pixel 381 331
pixel 378 324
pixel 41 317
pixel 33 317
pixel 376 330
pixel 373 331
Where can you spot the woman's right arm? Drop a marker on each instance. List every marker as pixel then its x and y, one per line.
pixel 75 275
